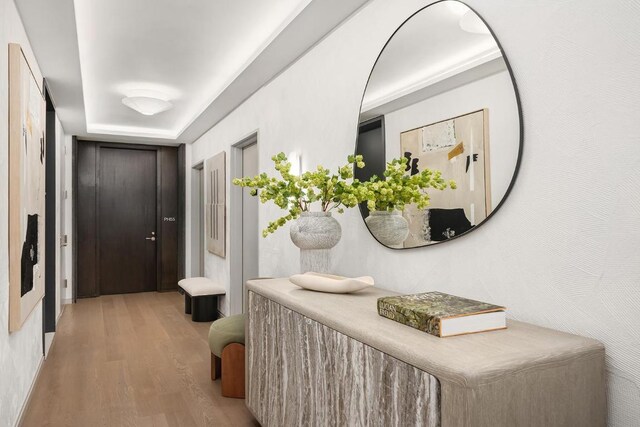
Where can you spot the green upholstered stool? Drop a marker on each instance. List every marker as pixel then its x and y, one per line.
pixel 226 341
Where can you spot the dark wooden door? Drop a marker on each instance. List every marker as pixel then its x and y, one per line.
pixel 126 220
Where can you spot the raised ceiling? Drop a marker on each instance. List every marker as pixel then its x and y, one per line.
pixel 429 48
pixel 206 56
pixel 188 50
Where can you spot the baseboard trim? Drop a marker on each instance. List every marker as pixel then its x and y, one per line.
pixel 48 342
pixel 66 301
pixel 61 311
pixel 27 400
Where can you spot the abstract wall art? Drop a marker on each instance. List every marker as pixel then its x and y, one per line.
pixel 26 189
pixel 215 203
pixel 459 148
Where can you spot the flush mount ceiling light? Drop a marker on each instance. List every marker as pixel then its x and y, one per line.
pixel 471 23
pixel 147 102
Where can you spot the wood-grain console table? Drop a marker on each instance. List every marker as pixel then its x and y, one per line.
pixel 316 359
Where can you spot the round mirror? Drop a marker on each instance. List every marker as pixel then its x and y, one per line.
pixel 442 96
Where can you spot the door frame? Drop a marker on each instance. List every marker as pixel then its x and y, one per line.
pixel 74 209
pixel 236 287
pixel 52 291
pixel 74 219
pixel 197 229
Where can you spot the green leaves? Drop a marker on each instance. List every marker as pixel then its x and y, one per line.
pixel 295 194
pixel 341 190
pixel 398 189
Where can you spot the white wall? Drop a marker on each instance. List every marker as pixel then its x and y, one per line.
pixel 495 93
pixel 63 217
pixel 564 250
pixel 59 202
pixel 20 352
pixel 59 225
pixel 188 214
pixel 66 293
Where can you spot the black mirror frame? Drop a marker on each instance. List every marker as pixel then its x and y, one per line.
pixel 521 127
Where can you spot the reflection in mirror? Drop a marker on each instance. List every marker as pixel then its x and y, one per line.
pixel 442 96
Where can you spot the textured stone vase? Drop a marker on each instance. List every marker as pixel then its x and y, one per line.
pixel 390 228
pixel 315 233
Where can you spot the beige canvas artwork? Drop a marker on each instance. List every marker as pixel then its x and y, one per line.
pixel 26 189
pixel 215 204
pixel 459 148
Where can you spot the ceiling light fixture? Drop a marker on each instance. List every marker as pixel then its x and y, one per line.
pixel 471 23
pixel 147 102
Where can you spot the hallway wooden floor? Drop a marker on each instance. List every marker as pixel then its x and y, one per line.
pixel 131 360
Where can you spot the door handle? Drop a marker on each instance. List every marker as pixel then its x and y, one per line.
pixel 152 238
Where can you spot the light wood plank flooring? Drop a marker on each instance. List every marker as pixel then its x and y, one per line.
pixel 131 360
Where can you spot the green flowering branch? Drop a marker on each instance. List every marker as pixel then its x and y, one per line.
pixel 399 189
pixel 295 194
pixel 340 190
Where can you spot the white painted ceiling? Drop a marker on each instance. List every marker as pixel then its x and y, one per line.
pixel 207 56
pixel 429 48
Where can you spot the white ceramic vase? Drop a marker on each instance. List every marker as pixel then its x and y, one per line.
pixel 315 233
pixel 389 227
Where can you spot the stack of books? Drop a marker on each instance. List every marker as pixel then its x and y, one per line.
pixel 443 315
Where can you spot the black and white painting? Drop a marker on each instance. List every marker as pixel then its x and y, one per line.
pixel 26 189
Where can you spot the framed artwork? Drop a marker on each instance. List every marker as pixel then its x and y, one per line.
pixel 26 189
pixel 459 148
pixel 215 203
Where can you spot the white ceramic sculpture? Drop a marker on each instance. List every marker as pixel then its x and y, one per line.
pixel 330 283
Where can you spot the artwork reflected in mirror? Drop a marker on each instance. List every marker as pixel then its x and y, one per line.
pixel 441 95
pixel 458 148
